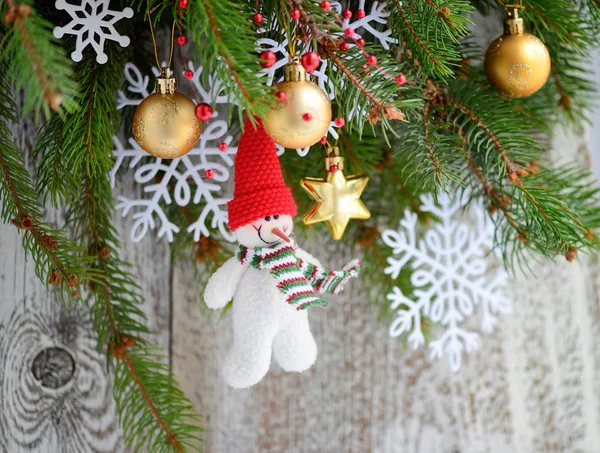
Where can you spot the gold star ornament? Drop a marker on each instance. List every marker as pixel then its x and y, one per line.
pixel 337 197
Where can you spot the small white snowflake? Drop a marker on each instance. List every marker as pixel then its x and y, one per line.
pixel 183 179
pixel 449 275
pixel 93 23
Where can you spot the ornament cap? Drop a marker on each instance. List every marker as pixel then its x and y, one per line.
pixel 334 158
pixel 294 72
pixel 166 82
pixel 514 25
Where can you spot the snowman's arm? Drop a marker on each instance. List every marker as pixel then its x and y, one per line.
pixel 223 284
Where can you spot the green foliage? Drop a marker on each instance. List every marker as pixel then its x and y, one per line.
pixel 225 36
pixel 75 155
pixel 36 62
pixel 432 31
pixel 445 129
pixel 51 250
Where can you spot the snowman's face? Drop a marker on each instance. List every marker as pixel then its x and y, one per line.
pixel 260 232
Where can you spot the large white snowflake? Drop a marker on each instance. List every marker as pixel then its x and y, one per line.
pixel 181 180
pixel 93 23
pixel 449 274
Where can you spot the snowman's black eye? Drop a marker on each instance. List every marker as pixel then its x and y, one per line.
pixel 268 218
pixel 275 217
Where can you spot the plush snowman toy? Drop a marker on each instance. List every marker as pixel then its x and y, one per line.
pixel 271 281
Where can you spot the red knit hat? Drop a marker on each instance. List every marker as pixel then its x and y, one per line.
pixel 259 189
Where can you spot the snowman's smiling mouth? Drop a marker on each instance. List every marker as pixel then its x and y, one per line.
pixel 258 230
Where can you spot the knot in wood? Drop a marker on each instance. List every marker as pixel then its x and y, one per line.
pixel 53 367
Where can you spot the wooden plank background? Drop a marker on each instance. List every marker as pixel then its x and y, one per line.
pixel 533 387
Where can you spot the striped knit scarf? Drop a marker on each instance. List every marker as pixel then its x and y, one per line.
pixel 297 280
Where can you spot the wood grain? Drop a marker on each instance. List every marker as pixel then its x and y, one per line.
pixel 533 387
pixel 63 409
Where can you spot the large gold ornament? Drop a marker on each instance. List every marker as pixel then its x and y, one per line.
pixel 337 197
pixel 165 123
pixel 301 112
pixel 517 64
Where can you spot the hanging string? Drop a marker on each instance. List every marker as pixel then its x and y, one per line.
pixel 154 43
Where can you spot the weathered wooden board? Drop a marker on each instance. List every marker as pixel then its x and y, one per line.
pixel 533 387
pixel 55 394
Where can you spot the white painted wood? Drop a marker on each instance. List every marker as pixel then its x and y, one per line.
pixel 533 387
pixel 65 406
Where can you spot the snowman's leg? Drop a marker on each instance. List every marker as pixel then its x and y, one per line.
pixel 254 325
pixel 294 347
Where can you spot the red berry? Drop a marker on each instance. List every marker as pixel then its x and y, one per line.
pixel 310 61
pixel 349 32
pixel 401 79
pixel 371 60
pixel 295 14
pixel 209 173
pixel 339 122
pixel 323 140
pixel 188 74
pixel 347 14
pixel 204 111
pixel 183 4
pixel 258 18
pixel 326 5
pixel 344 46
pixel 181 40
pixel 280 95
pixel 360 42
pixel 223 146
pixel 333 168
pixel 307 117
pixel 360 13
pixel 268 59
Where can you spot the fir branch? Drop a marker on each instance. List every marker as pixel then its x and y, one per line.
pixel 363 98
pixel 147 396
pixel 35 61
pixel 544 213
pixel 55 256
pixel 233 59
pixel 432 30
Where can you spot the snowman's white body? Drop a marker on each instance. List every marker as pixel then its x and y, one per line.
pixel 263 323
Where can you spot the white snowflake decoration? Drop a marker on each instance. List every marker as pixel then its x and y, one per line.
pixel 185 174
pixel 449 275
pixel 93 23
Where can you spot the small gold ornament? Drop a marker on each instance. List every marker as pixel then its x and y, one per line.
pixel 165 123
pixel 517 64
pixel 337 197
pixel 301 112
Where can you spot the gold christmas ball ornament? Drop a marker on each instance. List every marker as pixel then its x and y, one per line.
pixel 301 111
pixel 517 64
pixel 337 197
pixel 165 123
